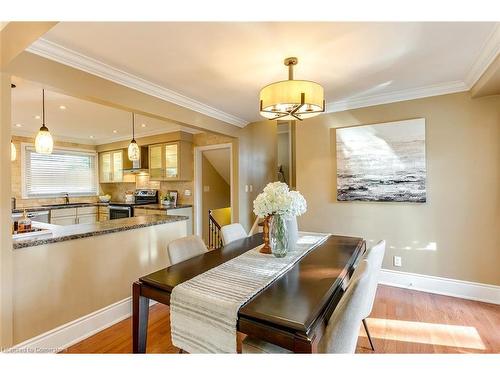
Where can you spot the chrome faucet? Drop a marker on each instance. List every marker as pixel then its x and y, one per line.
pixel 66 198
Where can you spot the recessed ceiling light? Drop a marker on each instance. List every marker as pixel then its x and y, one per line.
pixel 18 125
pixel 115 131
pixel 91 136
pixel 143 125
pixel 37 117
pixel 63 107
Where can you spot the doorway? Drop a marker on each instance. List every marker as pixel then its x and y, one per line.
pixel 213 198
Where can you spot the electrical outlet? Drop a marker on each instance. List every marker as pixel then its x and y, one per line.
pixel 397 261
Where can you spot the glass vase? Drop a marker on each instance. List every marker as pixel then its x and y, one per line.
pixel 278 234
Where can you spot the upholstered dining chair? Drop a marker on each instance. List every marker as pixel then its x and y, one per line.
pixel 341 335
pixel 232 232
pixel 373 257
pixel 185 248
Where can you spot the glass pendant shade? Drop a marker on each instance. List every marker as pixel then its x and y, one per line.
pixel 133 151
pixel 292 99
pixel 13 152
pixel 44 144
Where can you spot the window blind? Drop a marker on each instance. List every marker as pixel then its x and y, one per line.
pixel 63 171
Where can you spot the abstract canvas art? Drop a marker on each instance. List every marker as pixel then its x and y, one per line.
pixel 382 162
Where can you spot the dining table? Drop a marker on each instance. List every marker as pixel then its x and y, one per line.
pixel 291 312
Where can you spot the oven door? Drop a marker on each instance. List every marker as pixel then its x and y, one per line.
pixel 119 212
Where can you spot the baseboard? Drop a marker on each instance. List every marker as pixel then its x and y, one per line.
pixel 440 285
pixel 77 330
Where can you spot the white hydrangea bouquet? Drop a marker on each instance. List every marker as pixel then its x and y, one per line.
pixel 279 206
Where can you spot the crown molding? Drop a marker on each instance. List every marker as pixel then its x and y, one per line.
pixel 66 56
pixel 396 96
pixel 489 52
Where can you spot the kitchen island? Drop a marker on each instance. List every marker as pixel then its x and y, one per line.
pixel 78 278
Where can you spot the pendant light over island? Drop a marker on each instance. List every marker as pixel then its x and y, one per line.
pixel 44 144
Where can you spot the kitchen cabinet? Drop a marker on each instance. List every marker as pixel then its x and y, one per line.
pixel 87 219
pixel 70 216
pixel 103 213
pixel 112 164
pixel 68 220
pixel 171 161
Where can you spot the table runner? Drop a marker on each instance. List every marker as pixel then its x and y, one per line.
pixel 204 309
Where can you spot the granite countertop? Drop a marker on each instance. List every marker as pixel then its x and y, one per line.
pixel 72 232
pixel 162 207
pixel 57 207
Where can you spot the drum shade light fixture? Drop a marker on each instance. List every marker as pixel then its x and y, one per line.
pixel 292 99
pixel 133 147
pixel 44 144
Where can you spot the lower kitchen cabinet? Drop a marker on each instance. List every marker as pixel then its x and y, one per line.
pixel 70 216
pixel 68 220
pixel 87 219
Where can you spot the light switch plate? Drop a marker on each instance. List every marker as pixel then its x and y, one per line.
pixel 187 193
pixel 206 189
pixel 397 261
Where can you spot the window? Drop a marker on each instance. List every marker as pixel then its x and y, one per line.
pixel 63 171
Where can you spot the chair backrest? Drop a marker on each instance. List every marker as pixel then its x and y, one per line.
pixel 185 248
pixel 232 232
pixel 374 258
pixel 341 335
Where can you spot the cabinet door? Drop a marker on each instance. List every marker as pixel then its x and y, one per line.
pixel 105 167
pixel 140 212
pixel 117 157
pixel 156 162
pixel 70 220
pixel 171 161
pixel 87 219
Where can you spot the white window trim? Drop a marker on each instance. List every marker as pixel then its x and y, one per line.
pixel 24 193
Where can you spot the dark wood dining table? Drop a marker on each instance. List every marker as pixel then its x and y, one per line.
pixel 291 312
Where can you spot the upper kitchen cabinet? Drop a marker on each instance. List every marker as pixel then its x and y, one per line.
pixel 172 161
pixel 112 164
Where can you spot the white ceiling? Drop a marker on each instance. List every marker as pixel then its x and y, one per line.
pixel 219 68
pixel 81 121
pixel 220 160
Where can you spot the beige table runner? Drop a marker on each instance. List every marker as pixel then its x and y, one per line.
pixel 204 310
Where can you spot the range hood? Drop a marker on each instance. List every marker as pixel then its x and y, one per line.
pixel 141 165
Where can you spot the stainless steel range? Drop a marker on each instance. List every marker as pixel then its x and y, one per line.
pixel 120 210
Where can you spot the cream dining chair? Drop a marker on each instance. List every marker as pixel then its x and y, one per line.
pixel 341 335
pixel 232 232
pixel 185 248
pixel 373 257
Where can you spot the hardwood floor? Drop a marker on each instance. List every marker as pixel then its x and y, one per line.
pixel 402 321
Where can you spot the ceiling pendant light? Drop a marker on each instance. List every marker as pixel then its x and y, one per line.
pixel 292 99
pixel 133 147
pixel 13 152
pixel 44 144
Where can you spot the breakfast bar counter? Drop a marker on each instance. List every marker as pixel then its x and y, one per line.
pixel 59 233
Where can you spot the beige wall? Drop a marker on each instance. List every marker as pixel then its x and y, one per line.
pixel 257 165
pixel 60 282
pixel 218 196
pixel 16 175
pixel 462 213
pixel 5 215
